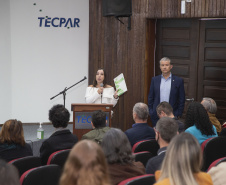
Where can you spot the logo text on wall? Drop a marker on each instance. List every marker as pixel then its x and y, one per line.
pixel 59 22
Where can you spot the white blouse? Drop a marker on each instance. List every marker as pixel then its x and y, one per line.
pixel 92 96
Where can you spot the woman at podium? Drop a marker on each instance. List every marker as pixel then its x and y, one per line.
pixel 100 92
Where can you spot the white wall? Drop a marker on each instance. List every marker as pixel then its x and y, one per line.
pixel 45 60
pixel 5 61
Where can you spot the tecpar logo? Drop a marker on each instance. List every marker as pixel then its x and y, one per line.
pixel 58 22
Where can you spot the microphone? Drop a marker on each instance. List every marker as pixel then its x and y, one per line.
pixel 101 85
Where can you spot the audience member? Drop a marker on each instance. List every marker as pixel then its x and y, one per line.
pixel 99 127
pixel 217 174
pixel 12 143
pixel 118 152
pixel 86 165
pixel 166 129
pixel 182 163
pixel 62 138
pixel 9 175
pixel 198 124
pixel 211 107
pixel 165 109
pixel 140 130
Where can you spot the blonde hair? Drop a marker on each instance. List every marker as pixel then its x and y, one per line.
pixel 183 159
pixel 85 165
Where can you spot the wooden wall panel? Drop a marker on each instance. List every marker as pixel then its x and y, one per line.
pixel 118 50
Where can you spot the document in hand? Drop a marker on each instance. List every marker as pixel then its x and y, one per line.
pixel 120 84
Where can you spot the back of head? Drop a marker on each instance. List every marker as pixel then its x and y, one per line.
pixel 86 164
pixel 59 116
pixel 167 128
pixel 99 119
pixel 210 105
pixel 12 132
pixel 141 110
pixel 165 107
pixel 183 158
pixel 116 147
pixel 8 174
pixel 197 115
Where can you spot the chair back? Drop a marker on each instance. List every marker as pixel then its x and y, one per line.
pixel 43 175
pixel 143 157
pixel 213 150
pixel 142 179
pixel 205 142
pixel 25 163
pixel 59 157
pixel 146 145
pixel 216 162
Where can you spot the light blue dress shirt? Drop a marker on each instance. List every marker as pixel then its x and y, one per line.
pixel 165 87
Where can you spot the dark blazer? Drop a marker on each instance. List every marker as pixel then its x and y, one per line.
pixel 139 132
pixel 176 100
pixel 155 163
pixel 59 140
pixel 14 151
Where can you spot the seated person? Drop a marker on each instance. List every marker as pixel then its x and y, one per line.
pixel 217 174
pixel 164 109
pixel 9 175
pixel 62 138
pixel 182 163
pixel 99 127
pixel 140 130
pixel 166 129
pixel 85 165
pixel 198 124
pixel 118 151
pixel 211 107
pixel 12 143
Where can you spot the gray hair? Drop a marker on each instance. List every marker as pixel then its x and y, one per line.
pixel 142 111
pixel 210 105
pixel 116 147
pixel 167 128
pixel 165 59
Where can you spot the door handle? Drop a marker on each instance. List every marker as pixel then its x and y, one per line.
pixel 190 99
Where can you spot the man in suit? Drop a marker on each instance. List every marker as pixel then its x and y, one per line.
pixel 140 130
pixel 166 87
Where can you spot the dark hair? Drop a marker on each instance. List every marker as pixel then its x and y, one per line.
pixel 197 115
pixel 116 147
pixel 59 116
pixel 141 110
pixel 95 81
pixel 99 119
pixel 165 107
pixel 12 132
pixel 167 128
pixel 8 174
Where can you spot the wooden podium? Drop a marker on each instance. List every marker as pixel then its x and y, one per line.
pixel 82 114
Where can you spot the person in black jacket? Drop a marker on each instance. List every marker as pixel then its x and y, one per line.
pixel 62 138
pixel 12 143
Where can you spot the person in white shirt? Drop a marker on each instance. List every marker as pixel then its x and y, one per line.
pixel 100 92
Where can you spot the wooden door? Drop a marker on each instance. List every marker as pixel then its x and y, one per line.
pixel 178 40
pixel 212 64
pixel 198 52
